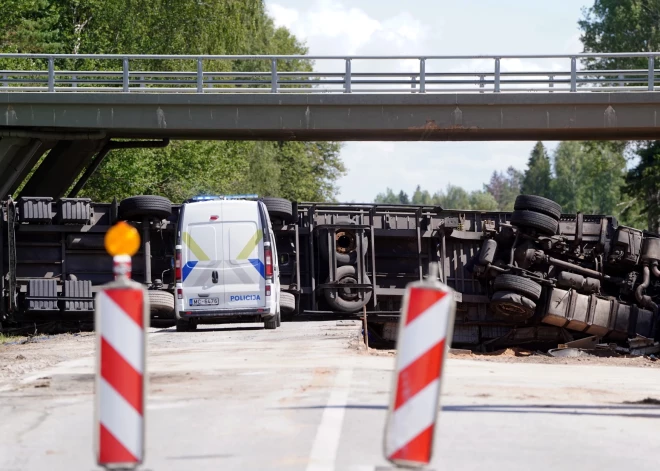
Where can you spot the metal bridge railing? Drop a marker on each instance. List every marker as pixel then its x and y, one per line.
pixel 291 74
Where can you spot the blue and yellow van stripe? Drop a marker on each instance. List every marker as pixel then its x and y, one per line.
pixel 201 256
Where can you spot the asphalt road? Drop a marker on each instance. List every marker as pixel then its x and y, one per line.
pixel 305 397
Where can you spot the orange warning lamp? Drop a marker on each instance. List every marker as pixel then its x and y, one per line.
pixel 122 239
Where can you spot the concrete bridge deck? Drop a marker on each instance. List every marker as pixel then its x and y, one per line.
pixel 376 117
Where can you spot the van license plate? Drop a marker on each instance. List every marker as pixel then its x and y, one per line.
pixel 205 301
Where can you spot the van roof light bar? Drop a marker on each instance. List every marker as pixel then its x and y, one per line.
pixel 221 197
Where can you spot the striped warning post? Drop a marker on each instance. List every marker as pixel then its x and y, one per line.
pixel 120 386
pixel 425 330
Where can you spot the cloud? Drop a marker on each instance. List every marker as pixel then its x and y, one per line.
pixel 283 16
pixel 379 28
pixel 375 166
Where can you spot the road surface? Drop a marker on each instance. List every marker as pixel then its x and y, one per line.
pixel 307 397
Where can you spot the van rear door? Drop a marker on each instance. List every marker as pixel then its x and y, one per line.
pixel 244 271
pixel 202 238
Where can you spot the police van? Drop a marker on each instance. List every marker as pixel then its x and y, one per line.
pixel 226 263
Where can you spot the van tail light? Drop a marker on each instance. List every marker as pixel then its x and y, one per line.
pixel 179 293
pixel 268 255
pixel 177 266
pixel 268 290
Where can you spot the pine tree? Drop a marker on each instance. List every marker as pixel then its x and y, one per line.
pixel 537 177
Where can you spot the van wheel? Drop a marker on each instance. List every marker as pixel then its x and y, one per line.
pixel 279 319
pixel 161 304
pixel 271 324
pixel 345 298
pixel 136 208
pixel 182 326
pixel 279 208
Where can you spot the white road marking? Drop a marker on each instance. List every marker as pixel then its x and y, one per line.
pixel 326 443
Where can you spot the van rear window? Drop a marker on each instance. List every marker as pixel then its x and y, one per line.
pixel 244 239
pixel 202 241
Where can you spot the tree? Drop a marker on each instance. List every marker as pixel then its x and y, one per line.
pixel 389 197
pixel 505 187
pixel 623 26
pixel 643 184
pixel 620 26
pixel 454 197
pixel 296 170
pixel 403 198
pixel 422 197
pixel 482 200
pixel 568 185
pixel 537 177
pixel 589 177
pixel 604 171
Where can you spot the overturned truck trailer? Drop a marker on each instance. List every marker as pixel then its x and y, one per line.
pixel 529 275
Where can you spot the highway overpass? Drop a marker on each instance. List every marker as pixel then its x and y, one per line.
pixel 74 113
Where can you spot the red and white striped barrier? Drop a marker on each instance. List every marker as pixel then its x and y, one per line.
pixel 425 329
pixel 121 323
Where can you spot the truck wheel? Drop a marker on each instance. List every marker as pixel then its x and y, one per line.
pixel 136 208
pixel 538 204
pixel 518 284
pixel 271 324
pixel 542 223
pixel 345 298
pixel 161 304
pixel 287 302
pixel 279 208
pixel 512 306
pixel 346 243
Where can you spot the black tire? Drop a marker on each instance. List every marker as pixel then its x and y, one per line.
pixel 348 253
pixel 518 284
pixel 185 326
pixel 345 299
pixel 136 208
pixel 279 319
pixel 542 223
pixel 161 304
pixel 538 204
pixel 513 307
pixel 287 302
pixel 279 208
pixel 271 323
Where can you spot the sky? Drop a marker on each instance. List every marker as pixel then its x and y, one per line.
pixel 441 27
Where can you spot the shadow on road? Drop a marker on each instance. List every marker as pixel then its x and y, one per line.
pixel 198 457
pixel 577 410
pixel 214 329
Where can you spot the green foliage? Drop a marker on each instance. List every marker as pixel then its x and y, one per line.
pixel 620 26
pixel 389 197
pixel 454 197
pixel 567 187
pixel 643 184
pixel 536 179
pixel 589 177
pixel 505 186
pixel 301 171
pixel 624 26
pixel 298 171
pixel 483 200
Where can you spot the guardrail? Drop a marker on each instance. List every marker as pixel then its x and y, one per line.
pixel 354 74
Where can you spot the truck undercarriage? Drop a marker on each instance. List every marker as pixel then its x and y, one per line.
pixel 531 275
